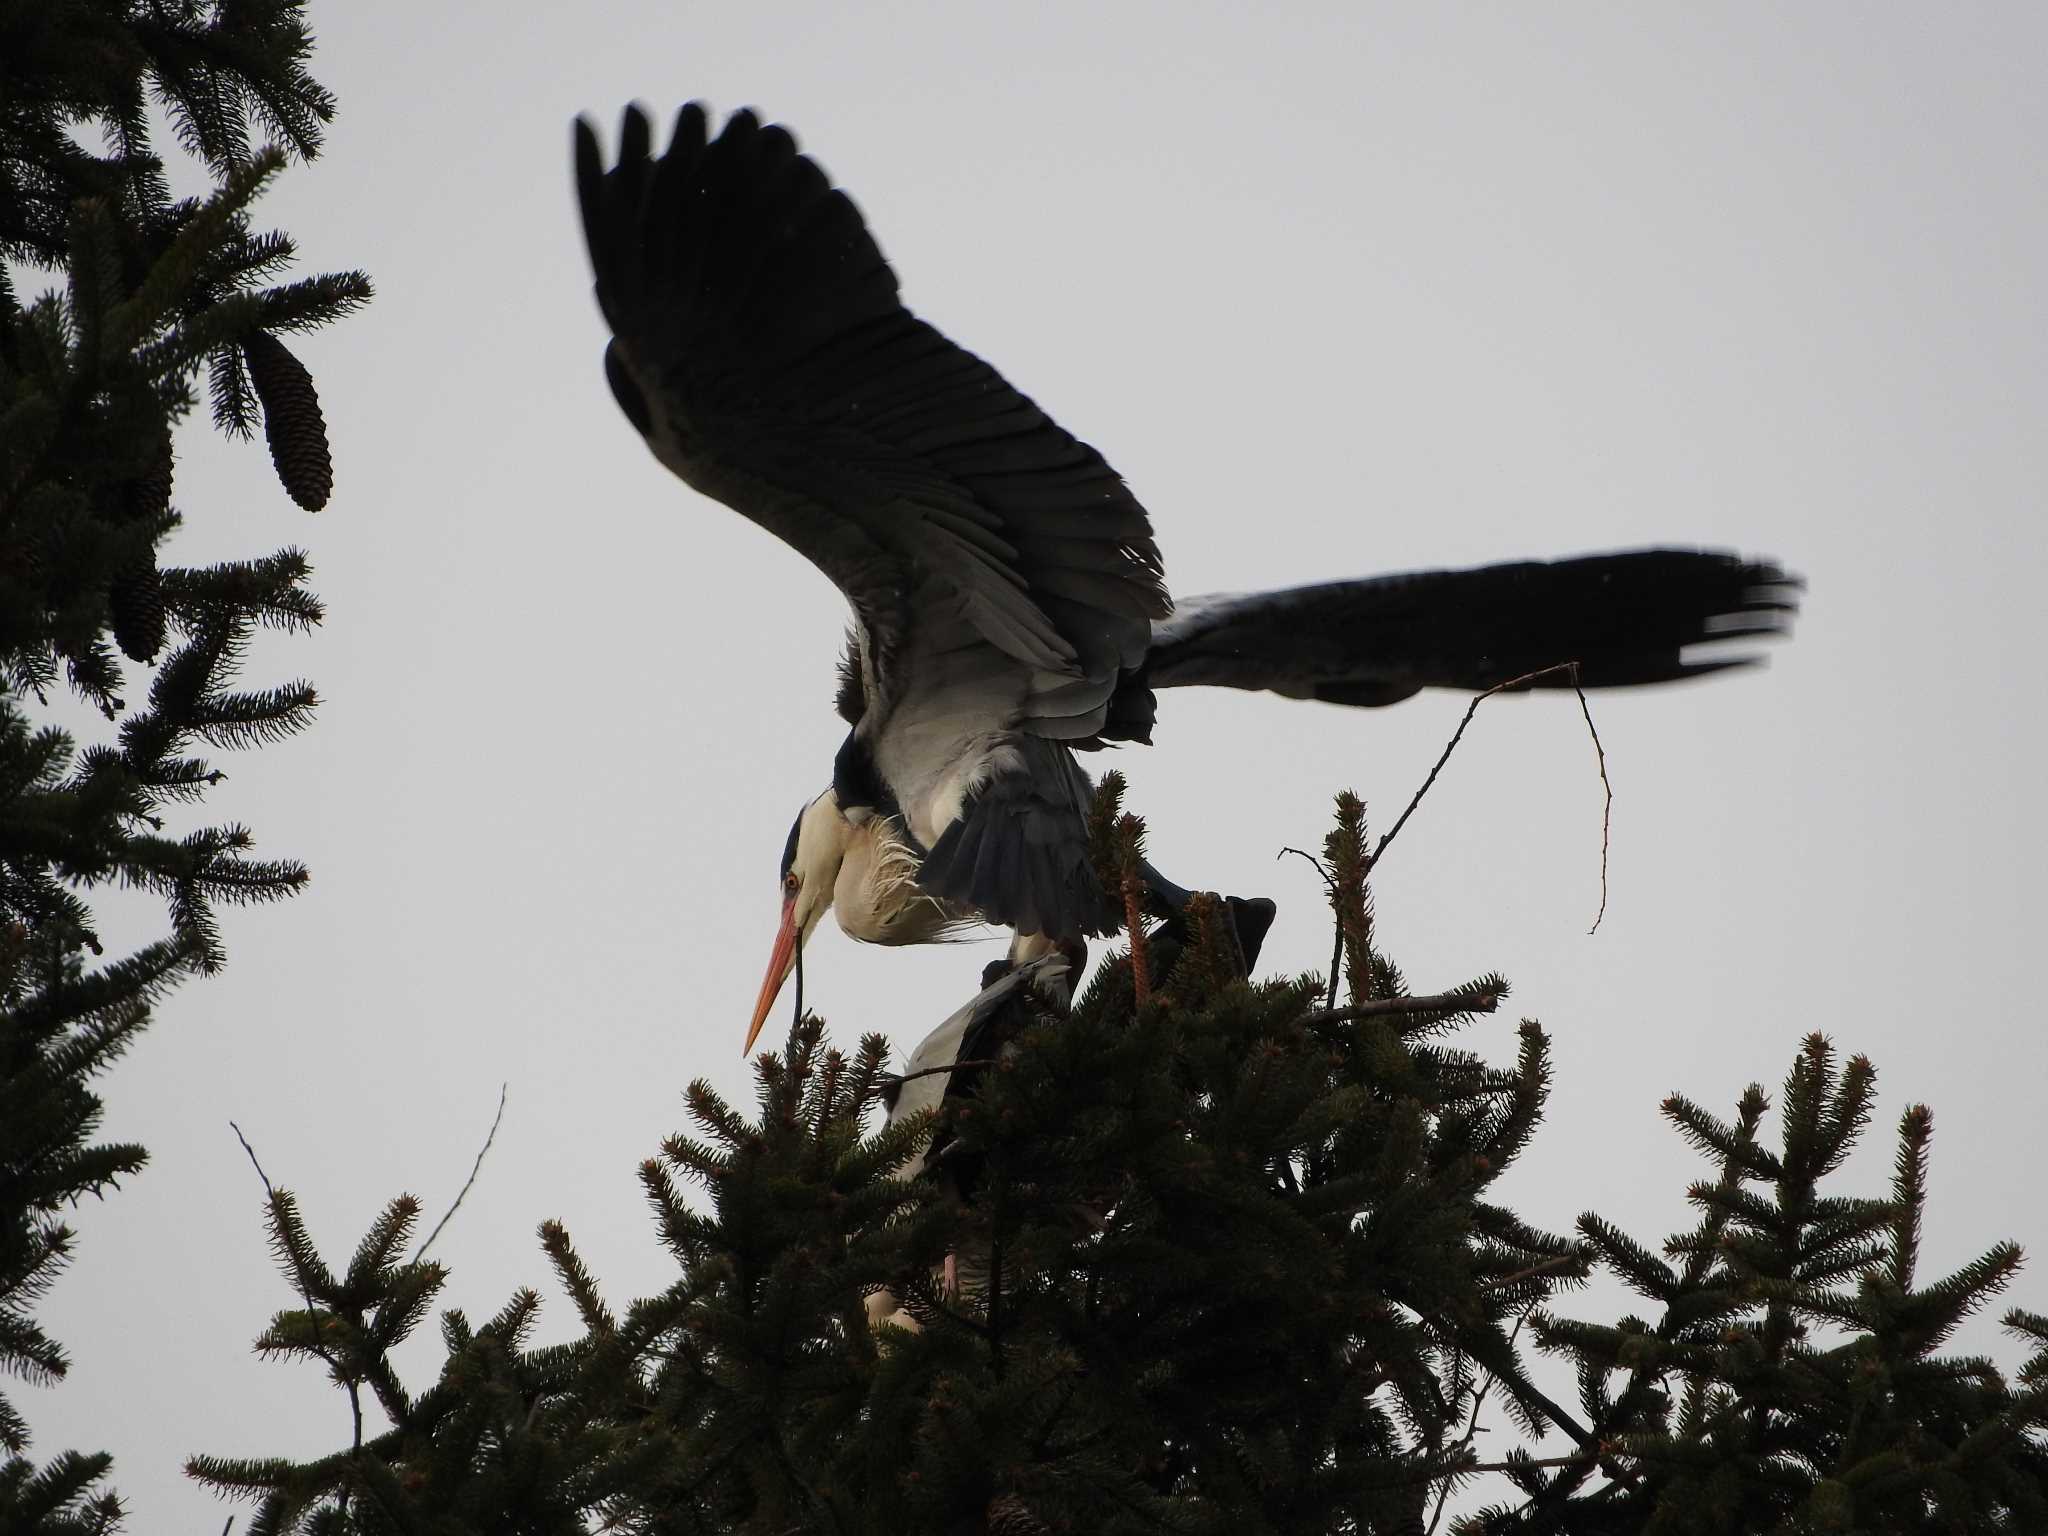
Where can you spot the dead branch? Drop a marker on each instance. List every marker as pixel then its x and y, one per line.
pixel 1443 1494
pixel 474 1169
pixel 1548 1266
pixel 1606 809
pixel 956 1066
pixel 1452 746
pixel 1330 888
pixel 1567 668
pixel 1383 1007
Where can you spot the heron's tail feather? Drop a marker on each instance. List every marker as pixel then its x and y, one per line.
pixel 1627 618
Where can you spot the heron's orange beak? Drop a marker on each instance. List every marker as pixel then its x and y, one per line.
pixel 779 962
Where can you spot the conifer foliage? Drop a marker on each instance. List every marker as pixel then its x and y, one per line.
pixel 1228 1261
pixel 1793 1380
pixel 145 294
pixel 1226 1258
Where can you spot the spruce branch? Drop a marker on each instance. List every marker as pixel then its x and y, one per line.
pixel 1481 997
pixel 301 1264
pixel 1350 894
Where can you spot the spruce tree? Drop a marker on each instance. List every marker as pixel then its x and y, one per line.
pixel 1199 1253
pixel 1792 1379
pixel 1226 1258
pixel 146 294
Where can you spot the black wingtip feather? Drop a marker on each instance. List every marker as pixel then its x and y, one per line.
pixel 691 131
pixel 626 392
pixel 636 136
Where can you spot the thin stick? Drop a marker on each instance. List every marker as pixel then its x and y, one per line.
pixel 268 1187
pixel 1321 869
pixel 1606 809
pixel 1443 1494
pixel 1562 1261
pixel 1584 1458
pixel 1452 745
pixel 904 1077
pixel 1382 1007
pixel 1330 888
pixel 474 1169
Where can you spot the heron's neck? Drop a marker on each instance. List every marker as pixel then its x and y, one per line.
pixel 876 896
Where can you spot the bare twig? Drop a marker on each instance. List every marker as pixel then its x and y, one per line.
pixel 474 1169
pixel 268 1187
pixel 1451 746
pixel 1570 669
pixel 1382 1007
pixel 1548 1266
pixel 904 1077
pixel 1330 886
pixel 1583 1458
pixel 1321 868
pixel 1464 1442
pixel 1606 809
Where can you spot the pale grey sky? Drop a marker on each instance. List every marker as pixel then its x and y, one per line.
pixel 1339 290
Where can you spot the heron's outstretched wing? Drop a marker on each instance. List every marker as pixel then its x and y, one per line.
pixel 761 349
pixel 1626 618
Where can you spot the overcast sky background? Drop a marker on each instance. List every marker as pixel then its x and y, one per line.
pixel 1339 291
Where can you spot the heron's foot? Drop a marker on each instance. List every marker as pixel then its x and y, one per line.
pixel 1059 965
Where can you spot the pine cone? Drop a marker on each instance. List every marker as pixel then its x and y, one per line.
pixel 151 495
pixel 292 422
pixel 1009 1515
pixel 135 597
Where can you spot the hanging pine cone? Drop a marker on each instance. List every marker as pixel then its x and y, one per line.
pixel 151 495
pixel 135 598
pixel 1008 1515
pixel 292 422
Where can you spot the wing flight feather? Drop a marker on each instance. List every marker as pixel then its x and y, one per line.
pixel 762 349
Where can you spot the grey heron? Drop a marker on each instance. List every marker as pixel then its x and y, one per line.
pixel 925 1084
pixel 1009 601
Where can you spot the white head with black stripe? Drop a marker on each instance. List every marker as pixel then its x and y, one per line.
pixel 862 867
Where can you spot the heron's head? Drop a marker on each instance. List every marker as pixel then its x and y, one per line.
pixel 810 866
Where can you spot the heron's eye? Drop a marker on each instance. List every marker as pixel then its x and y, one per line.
pixel 789 883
